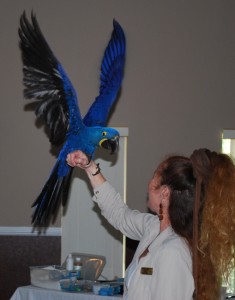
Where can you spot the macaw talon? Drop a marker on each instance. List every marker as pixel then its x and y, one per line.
pixel 89 157
pixel 111 144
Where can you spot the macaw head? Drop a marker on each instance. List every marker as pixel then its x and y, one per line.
pixel 87 139
pixel 109 139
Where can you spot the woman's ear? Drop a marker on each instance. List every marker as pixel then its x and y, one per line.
pixel 165 193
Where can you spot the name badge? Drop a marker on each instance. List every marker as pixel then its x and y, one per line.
pixel 146 271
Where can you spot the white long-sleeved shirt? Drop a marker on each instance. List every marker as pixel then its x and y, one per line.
pixel 168 262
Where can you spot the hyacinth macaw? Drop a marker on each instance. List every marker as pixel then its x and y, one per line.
pixel 46 81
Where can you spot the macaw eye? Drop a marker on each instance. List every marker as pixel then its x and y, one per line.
pixel 104 133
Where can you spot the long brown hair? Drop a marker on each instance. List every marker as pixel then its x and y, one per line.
pixel 177 173
pixel 217 230
pixel 207 179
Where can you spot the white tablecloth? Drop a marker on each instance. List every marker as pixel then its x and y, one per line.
pixel 35 293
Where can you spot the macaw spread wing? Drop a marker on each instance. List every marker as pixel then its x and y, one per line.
pixel 46 81
pixel 110 78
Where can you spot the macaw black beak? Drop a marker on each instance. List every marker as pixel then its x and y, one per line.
pixel 110 144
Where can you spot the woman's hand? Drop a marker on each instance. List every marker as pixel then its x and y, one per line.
pixel 78 158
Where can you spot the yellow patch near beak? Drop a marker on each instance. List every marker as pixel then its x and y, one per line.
pixel 100 143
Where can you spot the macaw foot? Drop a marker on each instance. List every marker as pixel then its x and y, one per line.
pixel 89 157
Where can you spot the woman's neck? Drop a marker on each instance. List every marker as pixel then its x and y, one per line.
pixel 165 223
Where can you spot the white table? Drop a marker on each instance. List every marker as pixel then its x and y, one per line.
pixel 36 293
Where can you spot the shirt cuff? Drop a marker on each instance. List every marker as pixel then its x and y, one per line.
pixel 100 190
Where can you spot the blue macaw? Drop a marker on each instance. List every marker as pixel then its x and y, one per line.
pixel 45 80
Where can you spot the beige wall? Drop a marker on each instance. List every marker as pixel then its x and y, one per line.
pixel 178 91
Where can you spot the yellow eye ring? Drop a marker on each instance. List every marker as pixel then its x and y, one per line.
pixel 104 133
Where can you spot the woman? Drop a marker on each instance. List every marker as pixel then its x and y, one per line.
pixel 162 268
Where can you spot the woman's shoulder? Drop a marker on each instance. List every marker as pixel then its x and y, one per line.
pixel 176 244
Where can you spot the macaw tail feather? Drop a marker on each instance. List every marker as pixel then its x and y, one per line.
pixel 54 192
